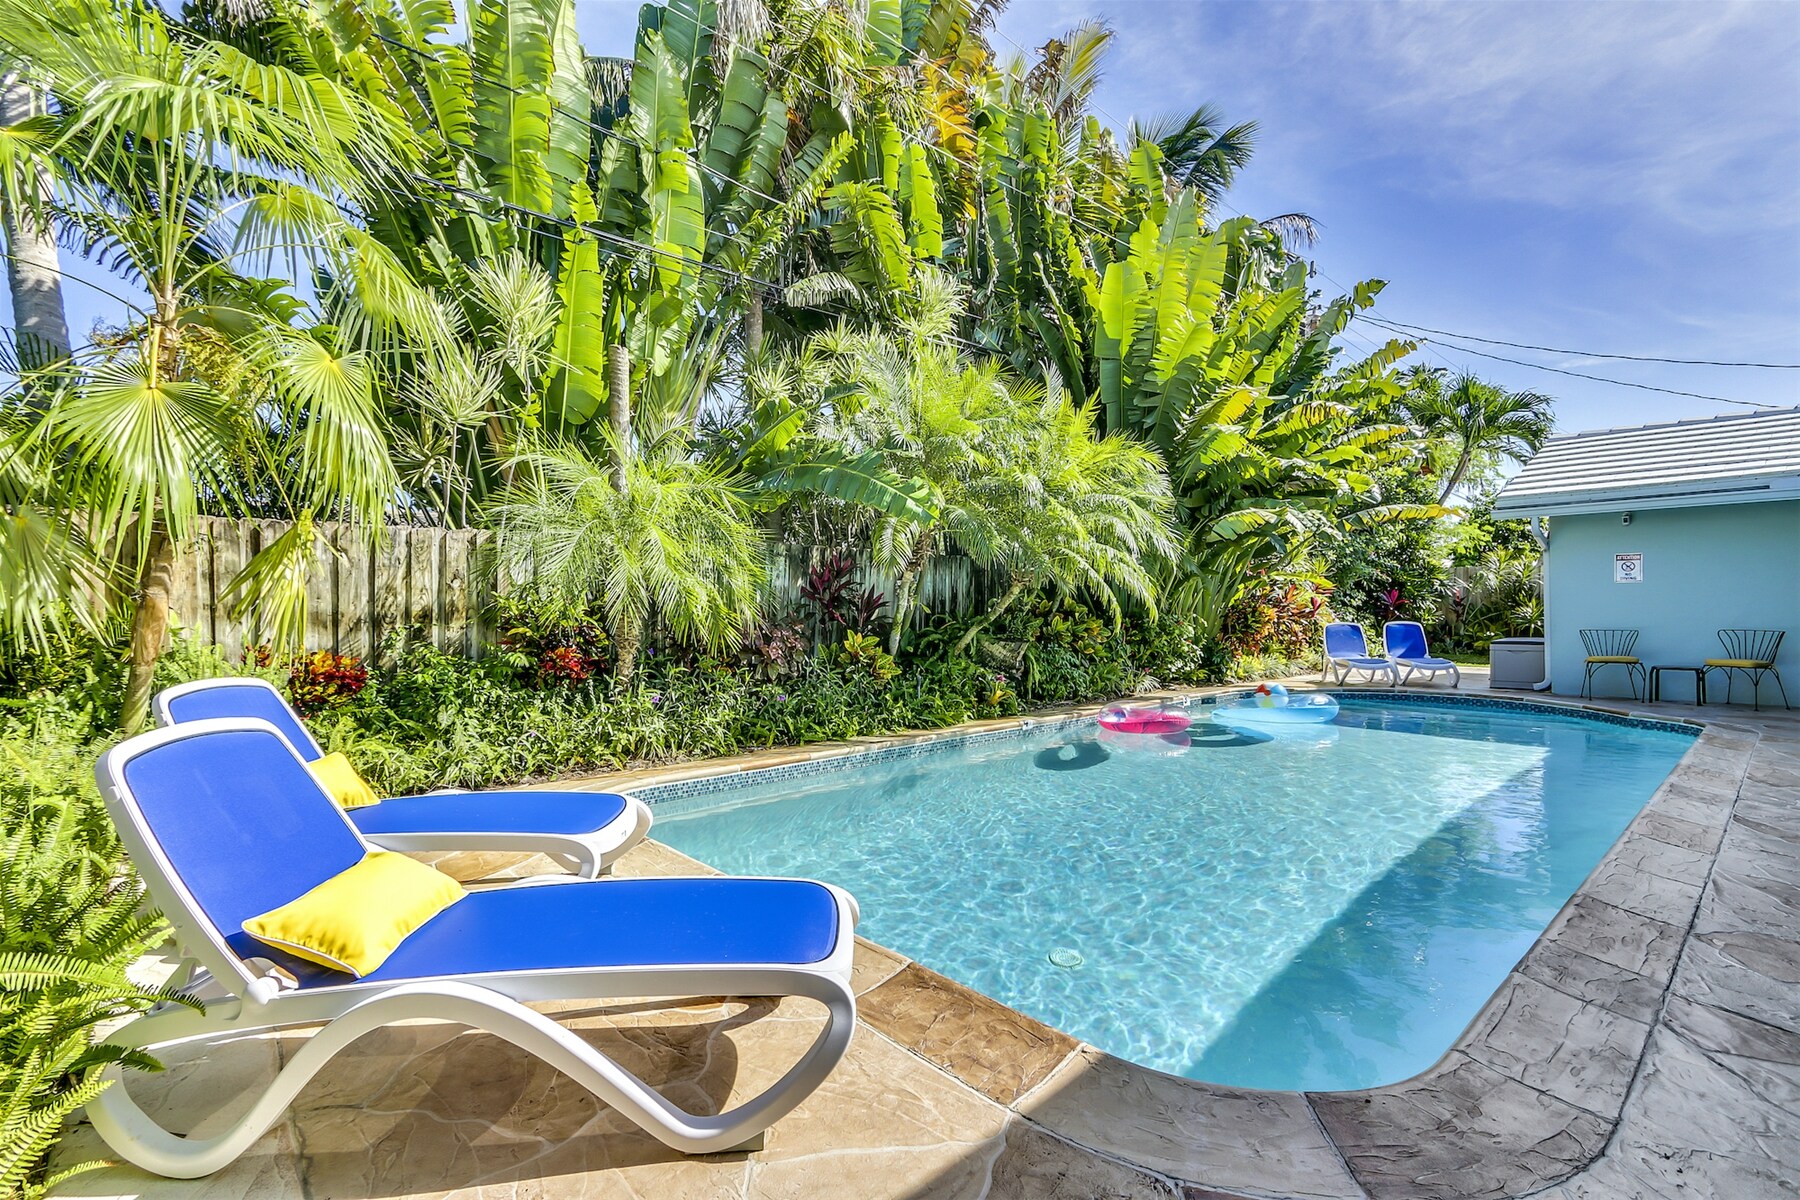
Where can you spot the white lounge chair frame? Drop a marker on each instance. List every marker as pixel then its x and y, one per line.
pixel 588 855
pixel 1430 667
pixel 1339 670
pixel 254 995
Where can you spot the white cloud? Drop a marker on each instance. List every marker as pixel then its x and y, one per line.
pixel 1687 110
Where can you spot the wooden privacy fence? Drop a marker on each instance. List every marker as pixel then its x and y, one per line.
pixel 423 579
pixel 438 584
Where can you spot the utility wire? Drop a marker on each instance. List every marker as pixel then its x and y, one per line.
pixel 604 130
pixel 1651 358
pixel 1519 362
pixel 768 288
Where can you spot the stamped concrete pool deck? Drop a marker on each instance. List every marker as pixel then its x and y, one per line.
pixel 1647 1046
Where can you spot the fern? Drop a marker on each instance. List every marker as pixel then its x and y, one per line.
pixel 71 920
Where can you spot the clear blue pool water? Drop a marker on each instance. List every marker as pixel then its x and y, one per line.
pixel 1321 909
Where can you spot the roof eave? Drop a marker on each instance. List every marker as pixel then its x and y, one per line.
pixel 1698 494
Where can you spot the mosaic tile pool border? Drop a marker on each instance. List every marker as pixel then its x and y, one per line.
pixel 683 789
pixel 1586 711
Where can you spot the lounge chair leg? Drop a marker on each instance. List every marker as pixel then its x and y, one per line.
pixel 134 1136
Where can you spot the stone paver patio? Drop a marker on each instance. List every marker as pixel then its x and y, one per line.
pixel 1647 1046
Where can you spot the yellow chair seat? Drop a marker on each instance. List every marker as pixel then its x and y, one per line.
pixel 1612 658
pixel 1743 664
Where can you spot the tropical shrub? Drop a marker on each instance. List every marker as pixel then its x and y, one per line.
pixel 549 643
pixel 1284 621
pixel 318 680
pixel 831 589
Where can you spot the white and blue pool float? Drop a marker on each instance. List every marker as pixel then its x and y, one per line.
pixel 1271 705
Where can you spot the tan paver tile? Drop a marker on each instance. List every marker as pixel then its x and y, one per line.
pixel 1001 1053
pixel 1266 1142
pixel 201 1092
pixel 1571 1049
pixel 1037 1165
pixel 886 1126
pixel 873 966
pixel 1639 944
pixel 1462 1129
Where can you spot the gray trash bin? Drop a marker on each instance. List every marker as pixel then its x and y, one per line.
pixel 1516 662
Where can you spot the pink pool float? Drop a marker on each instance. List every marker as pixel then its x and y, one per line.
pixel 1156 722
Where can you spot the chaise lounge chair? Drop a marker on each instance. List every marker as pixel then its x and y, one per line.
pixel 586 830
pixel 224 822
pixel 1347 650
pixel 1404 642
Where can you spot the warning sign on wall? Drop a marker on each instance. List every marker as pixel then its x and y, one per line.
pixel 1628 568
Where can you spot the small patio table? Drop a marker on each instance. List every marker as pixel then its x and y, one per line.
pixel 1699 674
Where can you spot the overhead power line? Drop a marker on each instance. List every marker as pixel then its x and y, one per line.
pixel 1519 362
pixel 1651 358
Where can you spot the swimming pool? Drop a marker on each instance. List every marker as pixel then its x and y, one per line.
pixel 1318 910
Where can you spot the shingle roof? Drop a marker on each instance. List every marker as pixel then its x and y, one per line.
pixel 1732 459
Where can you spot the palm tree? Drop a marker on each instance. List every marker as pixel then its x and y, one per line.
pixel 673 539
pixel 951 427
pixel 1094 513
pixel 32 268
pixel 1199 150
pixel 160 145
pixel 1476 419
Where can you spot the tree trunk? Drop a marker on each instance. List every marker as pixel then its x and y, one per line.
pixel 32 266
pixel 149 624
pixel 1457 472
pixel 626 640
pixel 753 330
pixel 906 587
pixel 618 409
pixel 1018 585
pixel 449 473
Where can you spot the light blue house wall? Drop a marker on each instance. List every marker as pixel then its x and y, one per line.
pixel 1704 569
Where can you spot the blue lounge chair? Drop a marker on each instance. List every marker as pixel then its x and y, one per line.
pixel 1404 642
pixel 587 831
pixel 225 822
pixel 1347 651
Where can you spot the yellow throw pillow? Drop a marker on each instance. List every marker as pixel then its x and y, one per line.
pixel 358 917
pixel 339 778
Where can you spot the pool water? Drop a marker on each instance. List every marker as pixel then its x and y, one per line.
pixel 1321 908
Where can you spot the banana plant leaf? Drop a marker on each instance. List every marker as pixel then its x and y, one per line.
pixel 512 104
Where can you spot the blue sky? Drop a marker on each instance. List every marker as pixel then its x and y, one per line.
pixel 1605 176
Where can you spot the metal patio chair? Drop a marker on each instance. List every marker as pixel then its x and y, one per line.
pixel 1610 648
pixel 1750 652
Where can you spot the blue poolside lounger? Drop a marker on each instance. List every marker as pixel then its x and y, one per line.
pixel 1347 650
pixel 587 830
pixel 224 822
pixel 1405 644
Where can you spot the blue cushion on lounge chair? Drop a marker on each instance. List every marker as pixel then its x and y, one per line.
pixel 1405 641
pixel 249 829
pixel 491 812
pixel 1345 642
pixel 610 923
pixel 245 823
pixel 249 699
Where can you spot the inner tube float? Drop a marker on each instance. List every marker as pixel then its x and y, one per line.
pixel 1270 706
pixel 1154 721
